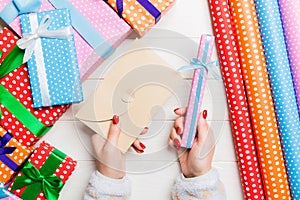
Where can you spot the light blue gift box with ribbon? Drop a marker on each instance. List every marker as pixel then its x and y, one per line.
pixel 51 57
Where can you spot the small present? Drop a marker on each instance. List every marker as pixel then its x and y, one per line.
pixel 97 30
pixel 141 15
pixel 5 194
pixel 12 155
pixel 18 115
pixel 44 174
pixel 52 61
pixel 200 66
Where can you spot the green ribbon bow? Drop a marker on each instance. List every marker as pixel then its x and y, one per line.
pixel 41 180
pixel 12 61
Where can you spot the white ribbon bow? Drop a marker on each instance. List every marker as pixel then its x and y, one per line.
pixel 28 41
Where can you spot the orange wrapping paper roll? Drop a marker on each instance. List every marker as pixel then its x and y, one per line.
pixel 260 100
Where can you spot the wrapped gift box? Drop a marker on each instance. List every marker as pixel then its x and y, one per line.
pixel 47 162
pixel 141 15
pixel 17 84
pixel 52 65
pixel 12 155
pixel 108 30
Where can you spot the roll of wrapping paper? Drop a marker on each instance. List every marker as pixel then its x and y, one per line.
pixel 282 88
pixel 238 107
pixel 260 100
pixel 290 16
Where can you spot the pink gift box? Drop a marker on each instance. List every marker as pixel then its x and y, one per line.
pixel 104 20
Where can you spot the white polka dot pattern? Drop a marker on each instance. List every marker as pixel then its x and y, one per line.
pixel 38 158
pixel 137 16
pixel 60 63
pixel 290 15
pixel 17 83
pixel 19 155
pixel 260 100
pixel 282 88
pixel 225 34
pixel 105 21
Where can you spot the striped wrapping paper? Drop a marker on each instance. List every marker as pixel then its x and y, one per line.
pixel 290 16
pixel 282 88
pixel 240 119
pixel 260 102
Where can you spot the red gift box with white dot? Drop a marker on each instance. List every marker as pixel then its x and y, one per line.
pixel 18 84
pixel 39 157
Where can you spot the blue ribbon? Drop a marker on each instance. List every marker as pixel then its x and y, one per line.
pixel 7 150
pixel 3 191
pixel 85 29
pixel 145 3
pixel 197 64
pixel 17 7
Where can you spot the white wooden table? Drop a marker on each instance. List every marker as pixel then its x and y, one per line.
pixel 153 173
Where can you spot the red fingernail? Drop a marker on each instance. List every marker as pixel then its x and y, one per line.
pixel 176 109
pixel 140 151
pixel 115 119
pixel 178 130
pixel 142 145
pixel 204 114
pixel 177 142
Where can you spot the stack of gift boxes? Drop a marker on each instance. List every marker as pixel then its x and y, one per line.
pixel 61 44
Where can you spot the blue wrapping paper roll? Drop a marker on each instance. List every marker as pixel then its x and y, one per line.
pixel 282 88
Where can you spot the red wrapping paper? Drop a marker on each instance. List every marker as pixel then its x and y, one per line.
pixel 17 83
pixel 225 34
pixel 39 157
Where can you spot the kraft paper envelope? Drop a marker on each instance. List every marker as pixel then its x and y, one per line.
pixel 137 82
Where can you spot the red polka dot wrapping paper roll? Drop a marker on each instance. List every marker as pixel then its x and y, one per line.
pixel 290 16
pixel 17 83
pixel 282 88
pixel 225 34
pixel 40 159
pixel 260 101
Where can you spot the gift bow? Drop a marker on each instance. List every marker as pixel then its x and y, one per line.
pixel 197 64
pixel 17 7
pixel 28 41
pixel 50 184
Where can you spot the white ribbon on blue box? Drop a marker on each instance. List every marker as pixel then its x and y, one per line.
pixel 51 57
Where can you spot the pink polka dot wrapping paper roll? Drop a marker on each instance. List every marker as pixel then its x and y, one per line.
pixel 61 165
pixel 260 101
pixel 290 16
pixel 225 34
pixel 282 88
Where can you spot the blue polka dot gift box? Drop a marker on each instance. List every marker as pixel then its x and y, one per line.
pixel 51 57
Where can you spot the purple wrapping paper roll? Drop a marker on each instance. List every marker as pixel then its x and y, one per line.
pixel 290 16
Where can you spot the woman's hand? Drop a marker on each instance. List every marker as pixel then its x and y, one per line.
pixel 197 160
pixel 110 161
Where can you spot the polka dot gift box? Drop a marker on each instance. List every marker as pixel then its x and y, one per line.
pixel 102 30
pixel 48 164
pixel 141 15
pixel 12 155
pixel 25 128
pixel 52 60
pixel 282 88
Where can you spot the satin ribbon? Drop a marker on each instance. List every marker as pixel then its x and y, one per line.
pixel 41 180
pixel 85 29
pixel 3 191
pixel 29 41
pixel 12 61
pixel 145 3
pixel 197 64
pixel 7 150
pixel 17 7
